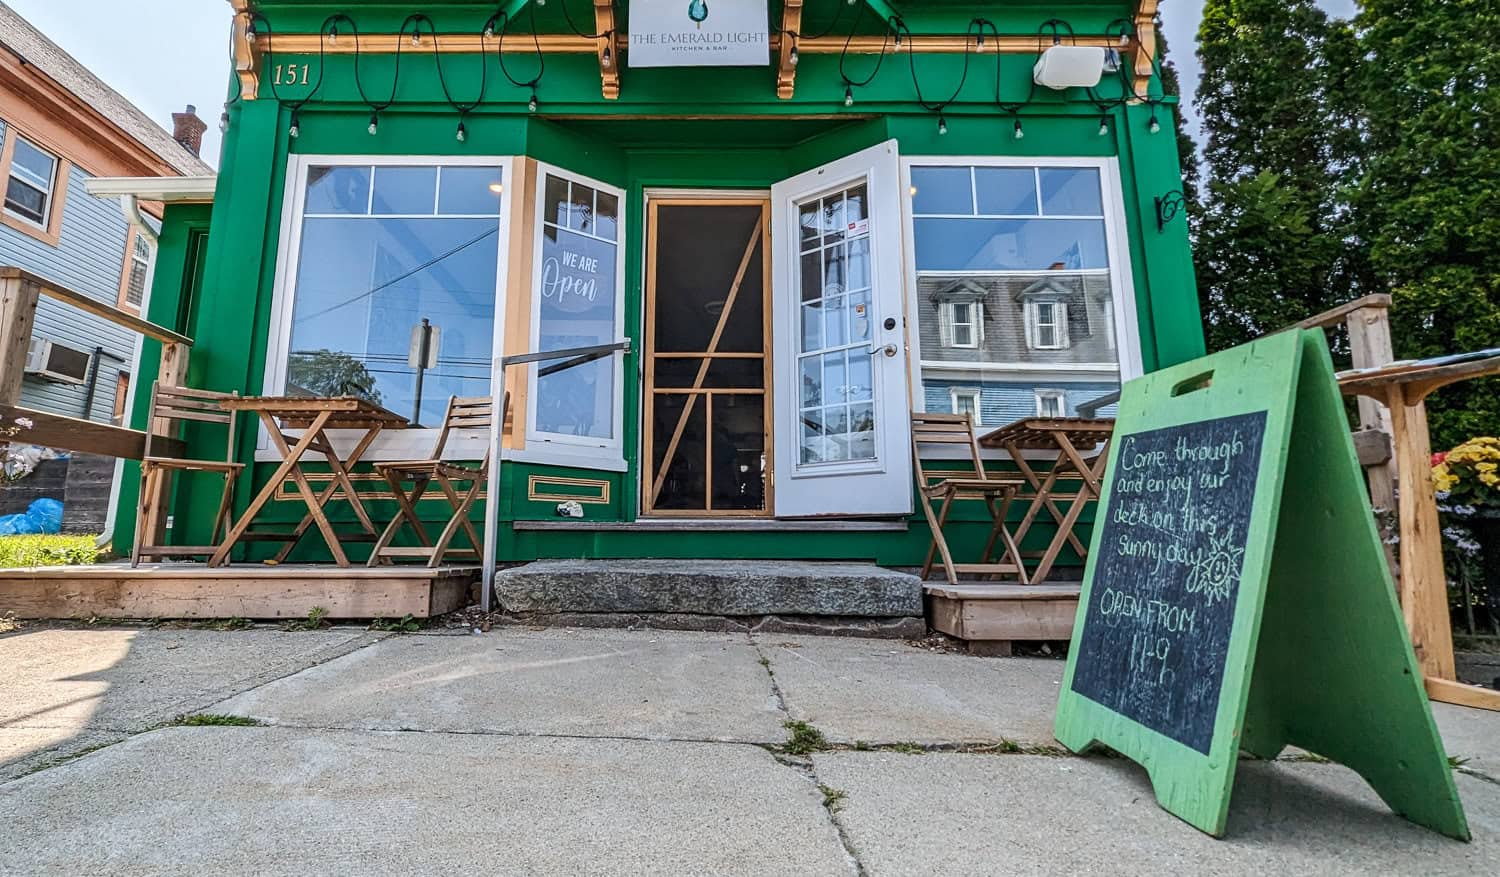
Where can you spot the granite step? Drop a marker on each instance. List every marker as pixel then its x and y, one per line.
pixel 856 597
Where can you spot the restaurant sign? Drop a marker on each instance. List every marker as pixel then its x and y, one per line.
pixel 699 33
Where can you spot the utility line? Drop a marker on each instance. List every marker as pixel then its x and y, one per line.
pixel 395 280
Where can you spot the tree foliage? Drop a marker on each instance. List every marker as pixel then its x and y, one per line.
pixel 1427 194
pixel 1273 244
pixel 331 373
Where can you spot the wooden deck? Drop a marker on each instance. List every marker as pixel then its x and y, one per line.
pixel 192 590
pixel 992 616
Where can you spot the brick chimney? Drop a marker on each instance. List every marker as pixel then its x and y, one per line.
pixel 188 129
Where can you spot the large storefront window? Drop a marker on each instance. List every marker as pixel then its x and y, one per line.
pixel 1015 291
pixel 381 248
pixel 578 303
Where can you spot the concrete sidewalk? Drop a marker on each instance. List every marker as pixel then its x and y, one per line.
pixel 566 751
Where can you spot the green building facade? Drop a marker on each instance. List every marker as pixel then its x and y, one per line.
pixel 881 213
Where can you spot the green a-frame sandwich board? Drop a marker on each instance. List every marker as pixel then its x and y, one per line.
pixel 1237 597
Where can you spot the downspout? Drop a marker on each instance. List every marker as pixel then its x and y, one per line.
pixel 131 208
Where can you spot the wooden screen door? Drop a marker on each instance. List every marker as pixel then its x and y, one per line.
pixel 841 413
pixel 706 421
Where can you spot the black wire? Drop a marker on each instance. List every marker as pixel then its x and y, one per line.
pixel 541 60
pixel 849 83
pixel 392 282
pixel 917 85
pixel 437 60
pixel 575 29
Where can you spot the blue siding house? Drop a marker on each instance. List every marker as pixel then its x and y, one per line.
pixel 59 127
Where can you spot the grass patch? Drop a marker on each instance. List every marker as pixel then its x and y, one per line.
pixel 1457 761
pixel 766 663
pixel 404 624
pixel 908 748
pixel 24 551
pixel 197 720
pixel 833 799
pixel 317 619
pixel 803 739
pixel 234 623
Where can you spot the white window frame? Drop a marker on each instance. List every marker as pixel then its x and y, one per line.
pixel 1121 282
pixel 1045 395
pixel 396 444
pixel 49 194
pixel 1058 324
pixel 973 395
pixel 134 260
pixel 586 452
pixel 975 324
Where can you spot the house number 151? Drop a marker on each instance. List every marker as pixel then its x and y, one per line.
pixel 291 74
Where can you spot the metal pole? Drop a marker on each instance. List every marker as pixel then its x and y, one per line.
pixel 424 338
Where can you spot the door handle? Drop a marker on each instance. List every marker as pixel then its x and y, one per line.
pixel 888 350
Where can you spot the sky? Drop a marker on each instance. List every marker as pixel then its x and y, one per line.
pixel 178 52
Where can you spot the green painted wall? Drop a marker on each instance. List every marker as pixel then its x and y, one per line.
pixel 641 140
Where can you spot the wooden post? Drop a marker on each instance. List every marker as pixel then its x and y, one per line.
pixel 18 298
pixel 1370 347
pixel 1424 584
pixel 786 71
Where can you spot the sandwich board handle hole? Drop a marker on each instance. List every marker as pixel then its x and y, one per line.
pixel 1193 384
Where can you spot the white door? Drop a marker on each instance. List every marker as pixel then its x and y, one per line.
pixel 839 377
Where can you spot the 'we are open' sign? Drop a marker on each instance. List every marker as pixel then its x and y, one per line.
pixel 699 33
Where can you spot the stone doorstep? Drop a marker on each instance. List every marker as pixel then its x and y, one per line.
pixel 741 589
pixel 903 627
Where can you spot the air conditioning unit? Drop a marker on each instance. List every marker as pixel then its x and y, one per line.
pixel 54 362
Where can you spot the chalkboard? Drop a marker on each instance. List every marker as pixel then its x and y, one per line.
pixel 1236 598
pixel 1167 574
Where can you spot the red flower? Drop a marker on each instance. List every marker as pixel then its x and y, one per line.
pixel 1439 457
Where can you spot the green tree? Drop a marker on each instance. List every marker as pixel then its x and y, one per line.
pixel 1273 244
pixel 1171 83
pixel 1428 195
pixel 331 373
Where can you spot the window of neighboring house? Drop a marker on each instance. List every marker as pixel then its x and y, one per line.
pixel 579 302
pixel 375 247
pixel 1047 325
pixel 30 183
pixel 964 324
pixel 1051 403
pixel 137 270
pixel 965 400
pixel 1018 279
pixel 122 393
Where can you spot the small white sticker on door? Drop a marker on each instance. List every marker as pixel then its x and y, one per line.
pixel 858 227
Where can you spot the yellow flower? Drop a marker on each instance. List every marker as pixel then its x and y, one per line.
pixel 1486 467
pixel 1490 479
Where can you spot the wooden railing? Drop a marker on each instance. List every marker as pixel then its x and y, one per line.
pixel 20 291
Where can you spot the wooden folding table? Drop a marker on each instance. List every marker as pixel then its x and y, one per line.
pixel 1403 388
pixel 1067 437
pixel 314 417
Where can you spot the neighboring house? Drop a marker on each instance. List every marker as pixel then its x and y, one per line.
pixel 60 126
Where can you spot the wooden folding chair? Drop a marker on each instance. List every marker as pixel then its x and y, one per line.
pixel 172 405
pixel 997 492
pixel 474 412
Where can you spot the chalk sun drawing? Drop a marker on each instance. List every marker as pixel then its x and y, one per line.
pixel 1216 573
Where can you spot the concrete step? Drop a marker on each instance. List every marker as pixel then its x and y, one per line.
pixel 710 587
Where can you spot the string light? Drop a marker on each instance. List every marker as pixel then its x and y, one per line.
pixel 462 134
pixel 606 58
pixel 531 105
pixel 294 130
pixel 224 122
pixel 848 95
pixel 374 124
pixel 1020 132
pixel 792 55
pixel 1154 127
pixel 1104 126
pixel 942 124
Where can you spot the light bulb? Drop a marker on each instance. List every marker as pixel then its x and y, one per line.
pixel 250 32
pixel 1104 127
pixel 792 55
pixel 531 104
pixel 1154 127
pixel 489 30
pixel 416 37
pixel 462 134
pixel 1020 132
pixel 295 130
pixel 981 41
pixel 607 58
pixel 848 96
pixel 224 122
pixel 898 37
pixel 333 34
pixel 374 124
pixel 942 124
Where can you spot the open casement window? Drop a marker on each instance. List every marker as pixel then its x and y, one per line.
pixel 372 247
pixel 1019 282
pixel 1051 403
pixel 575 416
pixel 965 400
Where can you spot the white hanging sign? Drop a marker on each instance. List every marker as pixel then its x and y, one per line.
pixel 699 33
